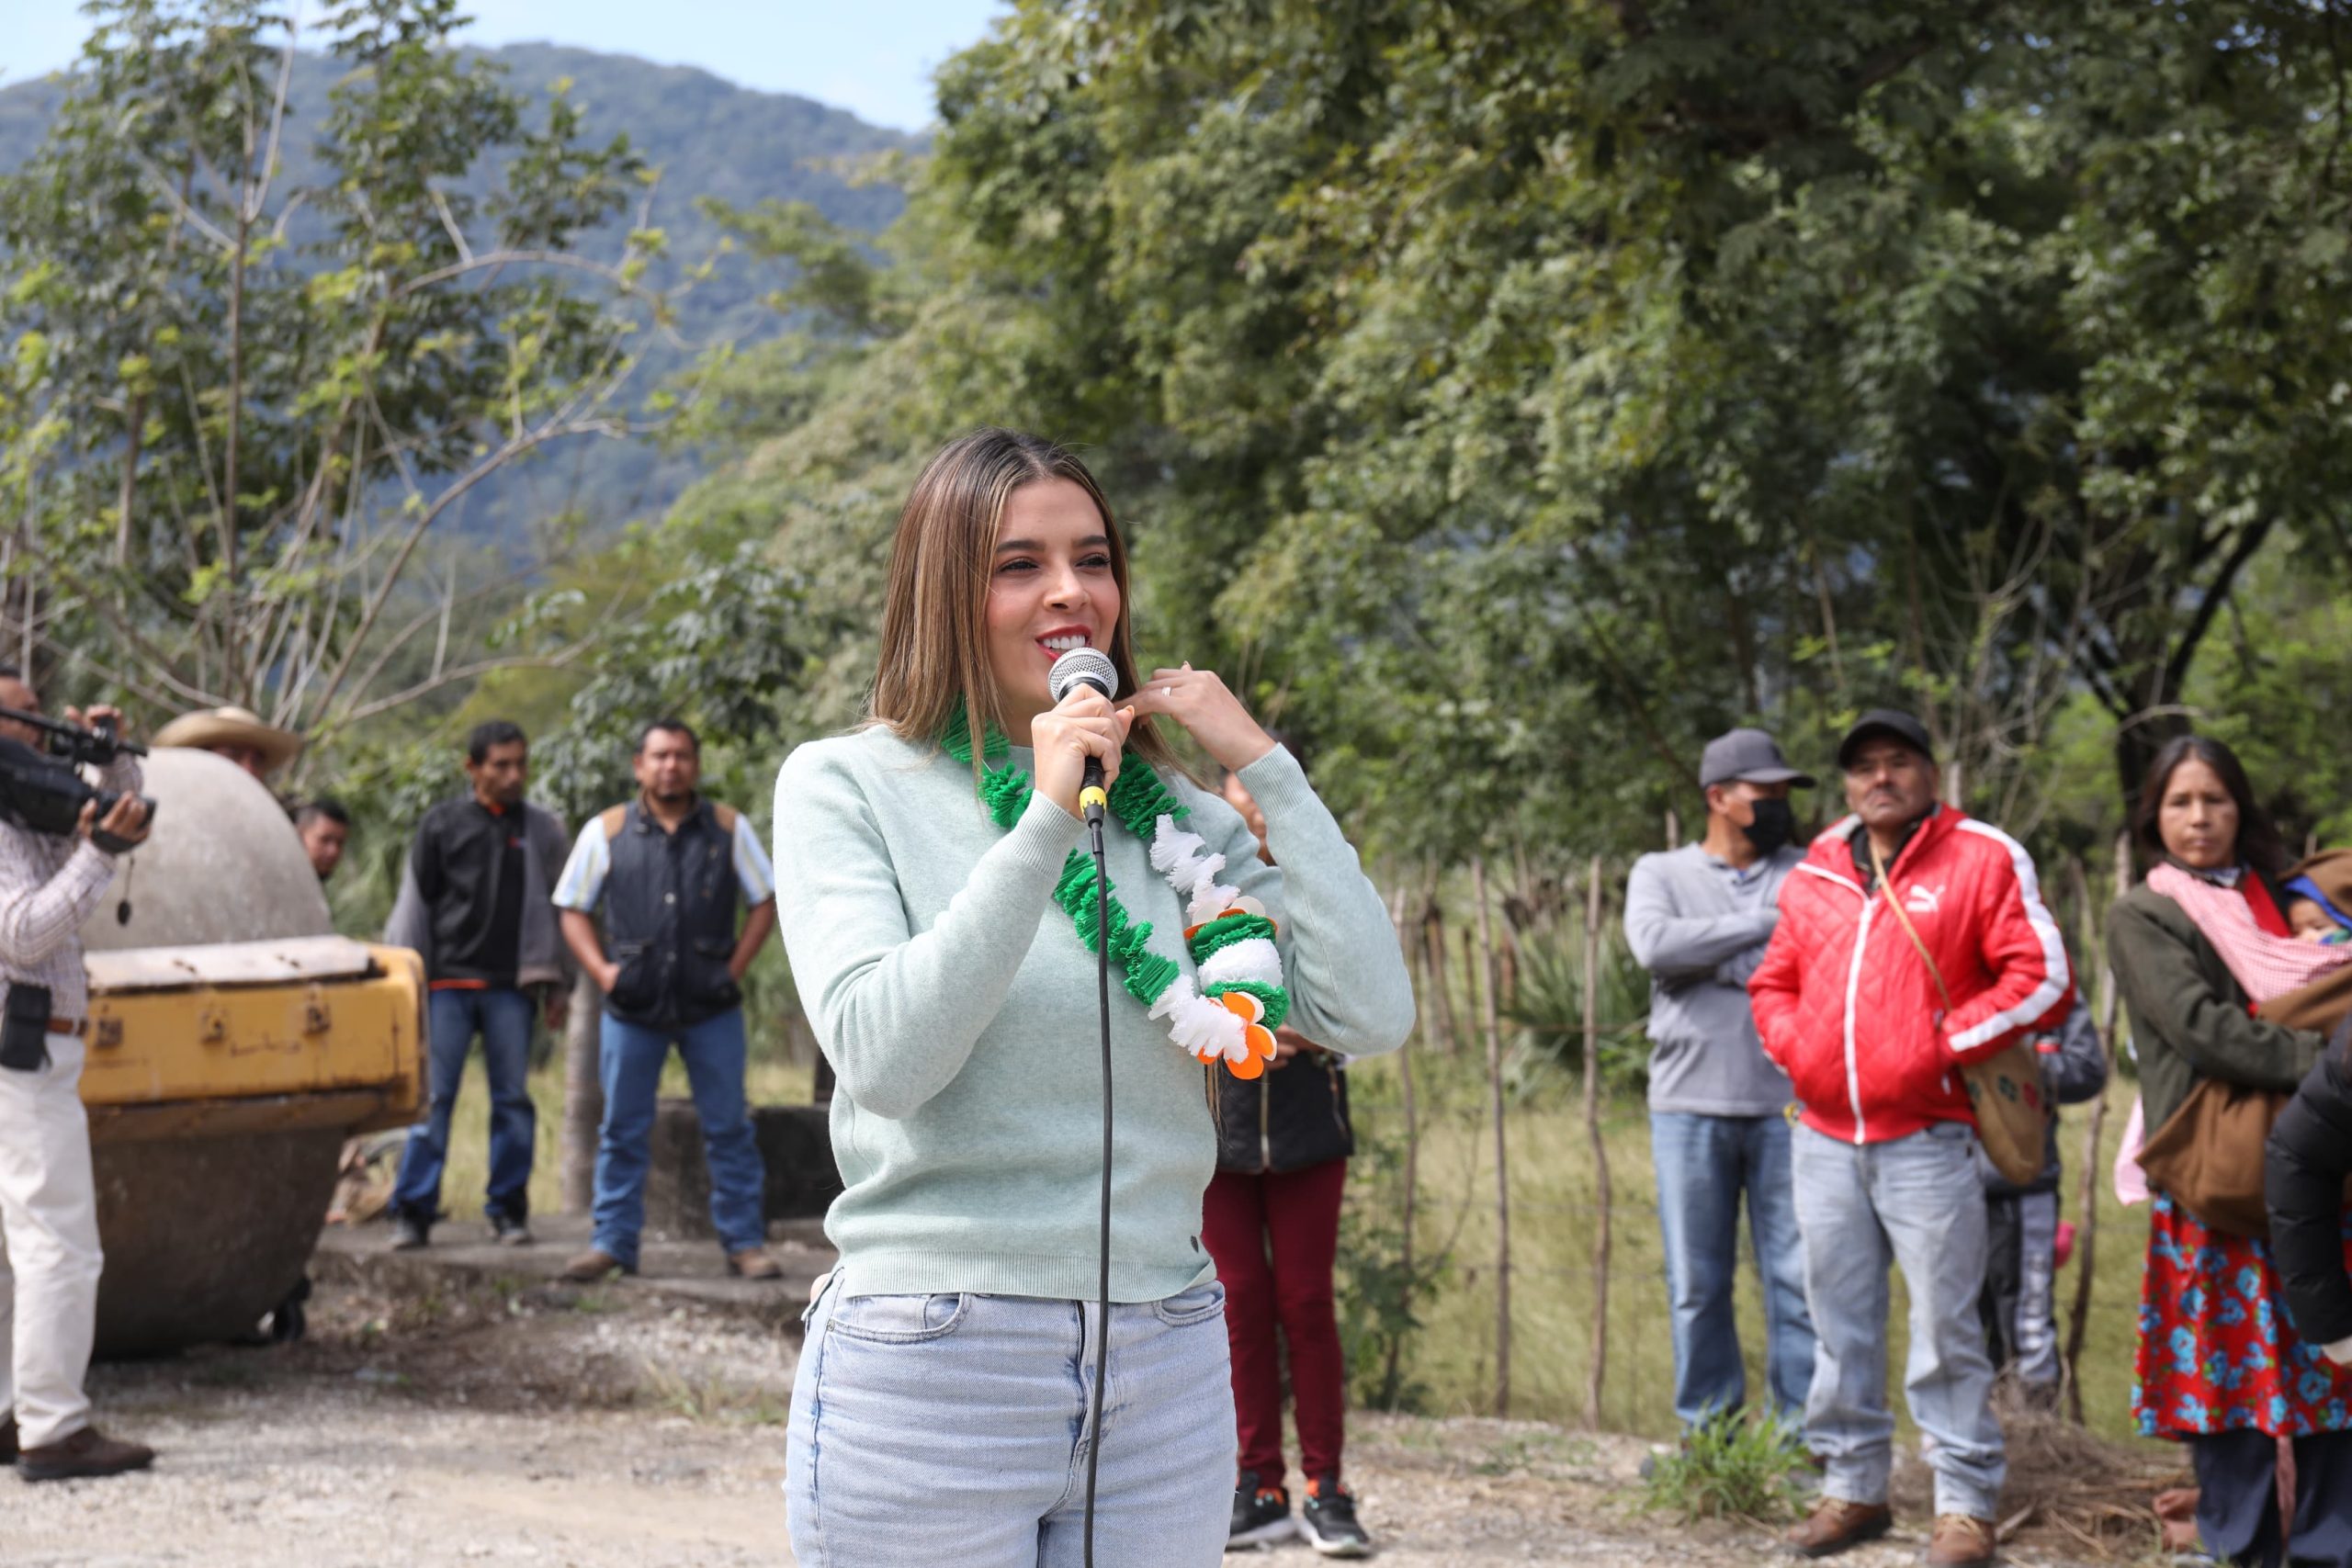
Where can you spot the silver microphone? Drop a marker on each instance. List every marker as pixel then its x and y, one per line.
pixel 1086 667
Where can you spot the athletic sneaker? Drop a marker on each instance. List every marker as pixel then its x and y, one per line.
pixel 1261 1513
pixel 1329 1520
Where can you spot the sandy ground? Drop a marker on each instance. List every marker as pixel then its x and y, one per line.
pixel 611 1428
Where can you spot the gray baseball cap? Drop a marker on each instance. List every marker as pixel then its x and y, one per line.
pixel 1748 754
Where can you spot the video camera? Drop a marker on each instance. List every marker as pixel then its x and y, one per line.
pixel 44 793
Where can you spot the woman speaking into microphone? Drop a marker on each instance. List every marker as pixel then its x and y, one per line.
pixel 940 909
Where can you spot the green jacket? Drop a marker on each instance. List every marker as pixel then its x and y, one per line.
pixel 2190 1018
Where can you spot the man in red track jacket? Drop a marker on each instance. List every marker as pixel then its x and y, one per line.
pixel 1884 1153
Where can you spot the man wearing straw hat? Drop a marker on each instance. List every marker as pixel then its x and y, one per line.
pixel 236 733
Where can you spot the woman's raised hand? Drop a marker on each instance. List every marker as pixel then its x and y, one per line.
pixel 1081 724
pixel 1199 701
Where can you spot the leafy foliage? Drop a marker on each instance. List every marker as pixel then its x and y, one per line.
pixel 1380 1285
pixel 1734 1468
pixel 1516 395
pixel 243 403
pixel 1546 1009
pixel 706 138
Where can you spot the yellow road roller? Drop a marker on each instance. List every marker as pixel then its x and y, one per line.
pixel 235 1043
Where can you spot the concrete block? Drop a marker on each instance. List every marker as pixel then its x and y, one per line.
pixel 794 1145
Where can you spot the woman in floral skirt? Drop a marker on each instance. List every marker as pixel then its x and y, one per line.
pixel 2220 1366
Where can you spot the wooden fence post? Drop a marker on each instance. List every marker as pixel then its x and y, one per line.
pixel 2111 1013
pixel 1388 1373
pixel 1433 963
pixel 1471 953
pixel 1493 1022
pixel 1599 1368
pixel 584 1095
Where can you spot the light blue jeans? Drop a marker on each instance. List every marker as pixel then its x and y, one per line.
pixel 1918 1203
pixel 631 1055
pixel 1703 1164
pixel 954 1428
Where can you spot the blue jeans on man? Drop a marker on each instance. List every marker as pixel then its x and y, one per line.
pixel 454 1016
pixel 1917 1203
pixel 632 1059
pixel 1703 1164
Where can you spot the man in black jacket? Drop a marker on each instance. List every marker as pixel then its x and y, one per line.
pixel 474 902
pixel 2309 1158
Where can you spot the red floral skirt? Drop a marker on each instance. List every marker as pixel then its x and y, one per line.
pixel 2217 1353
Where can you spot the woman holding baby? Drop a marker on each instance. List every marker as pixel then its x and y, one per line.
pixel 2209 935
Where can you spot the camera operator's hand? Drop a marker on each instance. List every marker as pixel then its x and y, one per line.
pixel 104 713
pixel 126 821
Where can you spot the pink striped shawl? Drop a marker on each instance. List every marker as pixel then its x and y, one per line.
pixel 2266 965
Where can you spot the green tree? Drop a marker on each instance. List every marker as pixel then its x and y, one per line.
pixel 245 402
pixel 1519 393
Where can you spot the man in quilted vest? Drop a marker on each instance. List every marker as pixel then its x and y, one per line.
pixel 670 869
pixel 1913 942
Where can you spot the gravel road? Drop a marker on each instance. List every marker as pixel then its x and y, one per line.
pixel 607 1428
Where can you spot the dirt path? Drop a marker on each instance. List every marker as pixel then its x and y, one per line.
pixel 603 1429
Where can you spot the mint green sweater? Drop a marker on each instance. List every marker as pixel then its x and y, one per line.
pixel 958 1007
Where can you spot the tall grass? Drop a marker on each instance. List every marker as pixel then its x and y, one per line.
pixel 1450 1361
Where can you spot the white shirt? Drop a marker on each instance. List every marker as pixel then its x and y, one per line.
pixel 582 885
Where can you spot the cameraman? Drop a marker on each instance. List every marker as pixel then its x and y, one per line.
pixel 48 1215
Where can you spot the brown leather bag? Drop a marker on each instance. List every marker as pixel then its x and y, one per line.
pixel 2005 1088
pixel 2208 1155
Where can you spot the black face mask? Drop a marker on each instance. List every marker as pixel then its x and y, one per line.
pixel 1775 824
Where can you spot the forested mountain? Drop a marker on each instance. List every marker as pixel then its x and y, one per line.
pixel 707 137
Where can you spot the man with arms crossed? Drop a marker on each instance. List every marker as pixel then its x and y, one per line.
pixel 1697 918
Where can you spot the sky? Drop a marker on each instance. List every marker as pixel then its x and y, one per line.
pixel 873 57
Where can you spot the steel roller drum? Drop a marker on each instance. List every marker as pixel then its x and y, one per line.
pixel 205 1234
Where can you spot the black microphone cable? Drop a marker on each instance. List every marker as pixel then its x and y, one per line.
pixel 1092 667
pixel 1093 798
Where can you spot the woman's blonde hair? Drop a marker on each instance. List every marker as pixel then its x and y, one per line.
pixel 934 651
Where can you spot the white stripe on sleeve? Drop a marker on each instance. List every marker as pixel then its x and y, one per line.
pixel 2044 997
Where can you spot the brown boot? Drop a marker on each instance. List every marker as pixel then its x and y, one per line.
pixel 8 1438
pixel 1961 1541
pixel 754 1264
pixel 81 1453
pixel 1835 1525
pixel 593 1267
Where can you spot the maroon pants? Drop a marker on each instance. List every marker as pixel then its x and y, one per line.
pixel 1273 1238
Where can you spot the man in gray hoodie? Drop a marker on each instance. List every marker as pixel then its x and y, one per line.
pixel 1698 917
